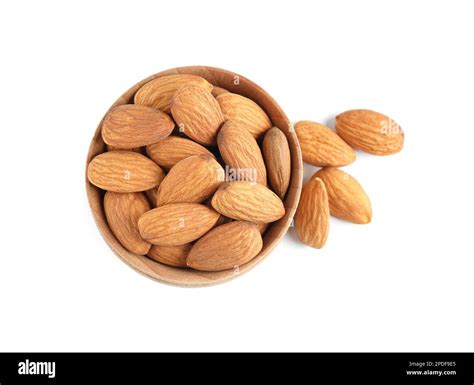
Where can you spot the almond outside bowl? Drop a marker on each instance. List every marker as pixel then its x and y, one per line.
pixel 187 277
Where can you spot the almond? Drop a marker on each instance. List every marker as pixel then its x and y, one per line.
pixel 226 247
pixel 170 255
pixel 312 215
pixel 151 196
pixel 262 227
pixel 276 153
pixel 347 199
pixel 370 131
pixel 245 111
pixel 122 212
pixel 240 151
pixel 171 150
pixel 321 146
pixel 159 92
pixel 131 125
pixel 124 171
pixel 114 148
pixel 222 220
pixel 216 91
pixel 191 180
pixel 176 224
pixel 248 201
pixel 197 113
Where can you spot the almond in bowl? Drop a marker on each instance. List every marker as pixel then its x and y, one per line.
pixel 194 175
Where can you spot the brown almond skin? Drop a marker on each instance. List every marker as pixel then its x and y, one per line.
pixel 245 111
pixel 321 146
pixel 276 153
pixel 131 126
pixel 171 150
pixel 158 93
pixel 262 227
pixel 124 171
pixel 151 196
pixel 177 223
pixel 170 255
pixel 114 148
pixel 122 211
pixel 312 215
pixel 197 113
pixel 347 199
pixel 222 219
pixel 191 180
pixel 226 247
pixel 240 151
pixel 216 91
pixel 370 131
pixel 248 201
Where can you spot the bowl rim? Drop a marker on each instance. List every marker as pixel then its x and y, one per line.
pixel 163 273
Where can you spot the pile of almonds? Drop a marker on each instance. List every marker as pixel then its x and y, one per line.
pixel 331 191
pixel 193 174
pixel 185 174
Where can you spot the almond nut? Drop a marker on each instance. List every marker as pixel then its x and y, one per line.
pixel 370 131
pixel 312 215
pixel 245 111
pixel 276 152
pixel 197 113
pixel 176 224
pixel 226 247
pixel 248 201
pixel 171 150
pixel 347 199
pixel 122 212
pixel 159 92
pixel 321 146
pixel 130 126
pixel 124 171
pixel 240 151
pixel 170 255
pixel 191 180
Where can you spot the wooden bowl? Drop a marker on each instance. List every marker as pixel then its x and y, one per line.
pixel 188 277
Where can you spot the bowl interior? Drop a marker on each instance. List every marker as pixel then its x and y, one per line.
pixel 187 277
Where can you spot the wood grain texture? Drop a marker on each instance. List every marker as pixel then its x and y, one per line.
pixel 124 171
pixel 274 233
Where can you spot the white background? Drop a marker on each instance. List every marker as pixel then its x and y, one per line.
pixel 403 283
